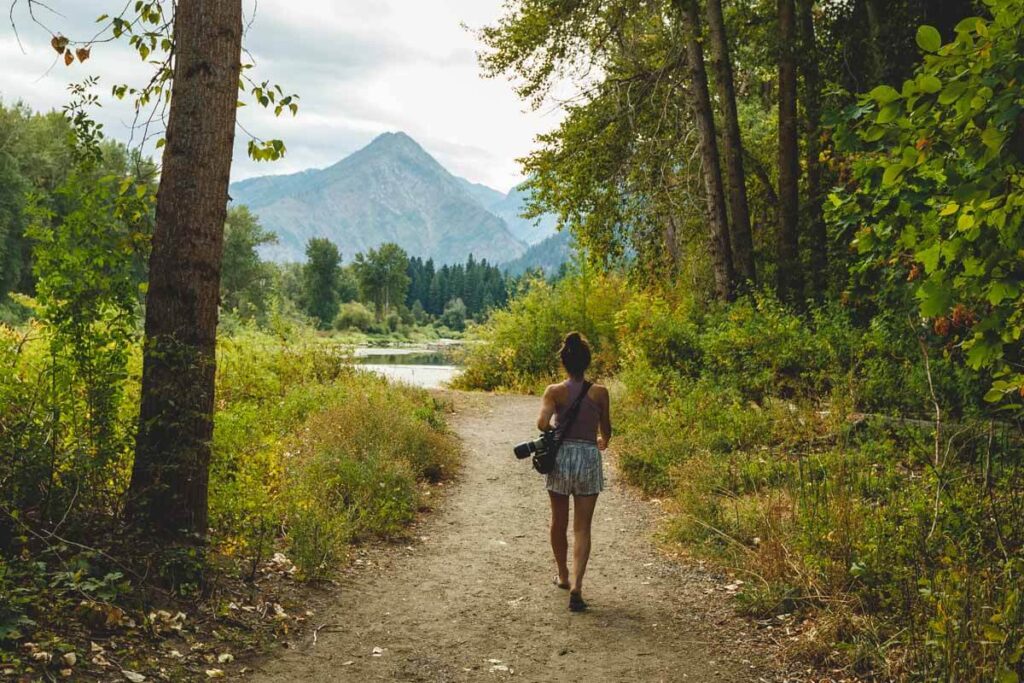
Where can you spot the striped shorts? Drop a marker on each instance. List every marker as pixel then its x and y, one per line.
pixel 578 470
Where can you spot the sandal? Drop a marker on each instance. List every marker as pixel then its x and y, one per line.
pixel 576 603
pixel 559 584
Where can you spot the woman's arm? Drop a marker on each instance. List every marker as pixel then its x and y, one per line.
pixel 606 420
pixel 547 409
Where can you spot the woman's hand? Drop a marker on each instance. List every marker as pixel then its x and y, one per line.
pixel 601 443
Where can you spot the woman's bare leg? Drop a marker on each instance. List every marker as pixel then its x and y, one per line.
pixel 559 526
pixel 583 516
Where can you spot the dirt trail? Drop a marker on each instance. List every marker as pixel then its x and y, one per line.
pixel 472 599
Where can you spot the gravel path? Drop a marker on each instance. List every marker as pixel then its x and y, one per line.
pixel 472 598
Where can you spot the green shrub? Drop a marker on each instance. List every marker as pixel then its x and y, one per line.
pixel 517 348
pixel 354 316
pixel 738 415
pixel 306 443
pixel 454 315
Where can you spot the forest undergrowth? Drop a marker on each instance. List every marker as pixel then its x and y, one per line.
pixel 846 472
pixel 309 457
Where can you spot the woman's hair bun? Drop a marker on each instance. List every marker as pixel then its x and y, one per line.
pixel 575 353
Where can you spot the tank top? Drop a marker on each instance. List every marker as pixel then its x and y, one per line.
pixel 587 419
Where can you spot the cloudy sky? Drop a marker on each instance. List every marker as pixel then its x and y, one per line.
pixel 361 67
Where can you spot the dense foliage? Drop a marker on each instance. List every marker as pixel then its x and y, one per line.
pixel 480 285
pixel 309 455
pixel 935 204
pixel 803 452
pixel 515 348
pixel 844 435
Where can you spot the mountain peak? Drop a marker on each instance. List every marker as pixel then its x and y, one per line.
pixel 396 141
pixel 391 190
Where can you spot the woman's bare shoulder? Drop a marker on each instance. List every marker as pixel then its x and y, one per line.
pixel 554 390
pixel 598 391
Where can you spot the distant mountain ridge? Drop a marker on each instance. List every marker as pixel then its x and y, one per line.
pixel 392 190
pixel 547 255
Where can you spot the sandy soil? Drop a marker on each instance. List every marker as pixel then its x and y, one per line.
pixel 472 598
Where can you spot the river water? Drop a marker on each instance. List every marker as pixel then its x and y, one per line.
pixel 430 368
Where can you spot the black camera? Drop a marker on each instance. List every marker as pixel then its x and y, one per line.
pixel 539 445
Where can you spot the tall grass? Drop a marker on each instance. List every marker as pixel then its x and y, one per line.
pixel 314 453
pixel 301 441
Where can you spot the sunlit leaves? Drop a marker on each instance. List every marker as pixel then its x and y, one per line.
pixel 928 39
pixel 266 150
pixel 884 94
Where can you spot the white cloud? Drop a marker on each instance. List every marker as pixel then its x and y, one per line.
pixel 361 68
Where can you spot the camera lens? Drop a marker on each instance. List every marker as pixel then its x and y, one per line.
pixel 524 450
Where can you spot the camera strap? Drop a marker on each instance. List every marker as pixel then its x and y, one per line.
pixel 570 417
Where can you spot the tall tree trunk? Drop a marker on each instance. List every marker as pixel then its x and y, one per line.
pixel 700 100
pixel 671 238
pixel 740 233
pixel 874 52
pixel 817 237
pixel 168 492
pixel 790 279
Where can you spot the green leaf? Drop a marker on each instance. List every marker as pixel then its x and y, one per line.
pixel 1000 291
pixel 967 25
pixel 884 94
pixel 888 113
pixel 929 84
pixel 892 173
pixel 992 138
pixel 965 222
pixel 994 395
pixel 930 257
pixel 952 92
pixel 929 39
pixel 982 352
pixel 949 209
pixel 873 134
pixel 1007 676
pixel 935 297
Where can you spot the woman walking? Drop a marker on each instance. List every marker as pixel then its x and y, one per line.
pixel 578 472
